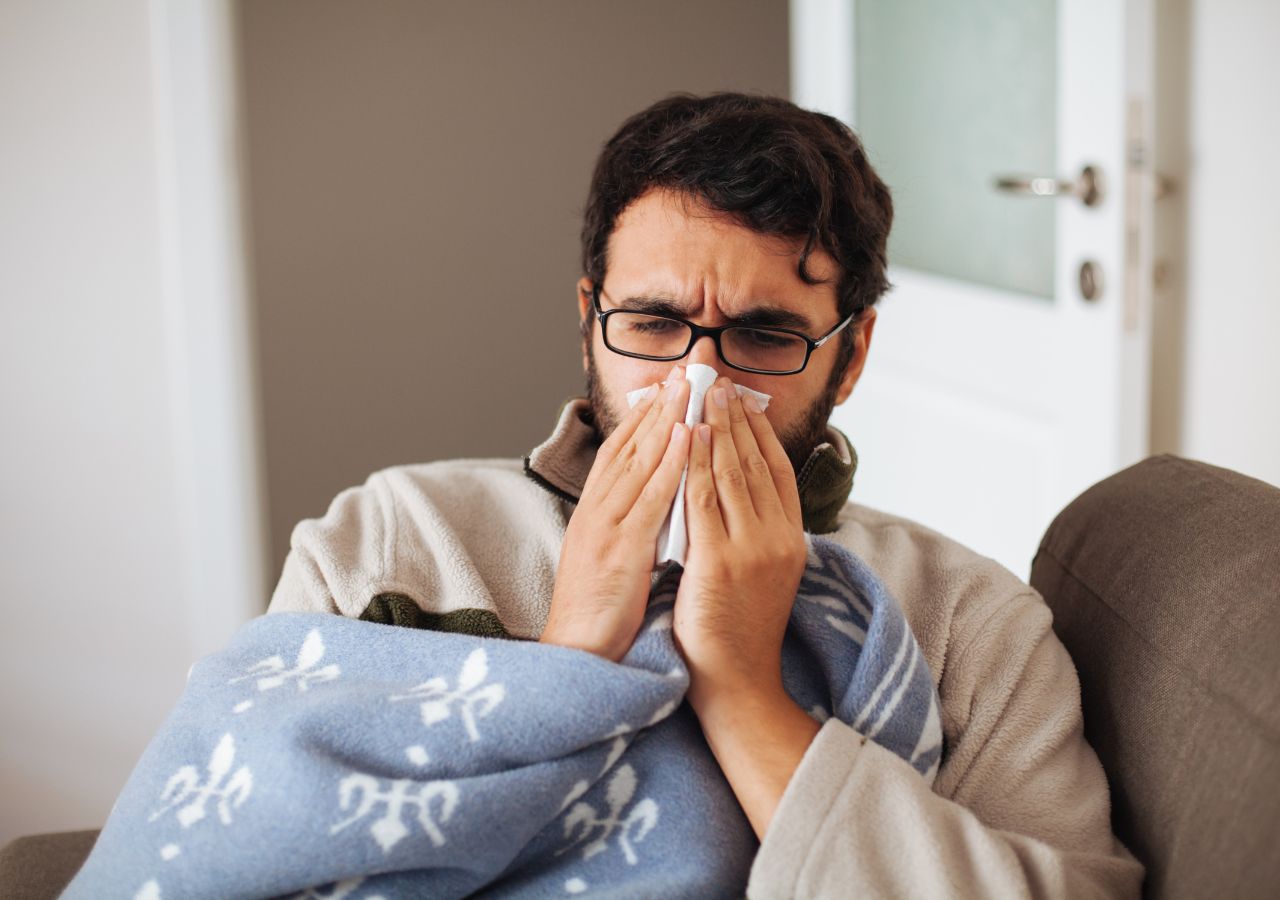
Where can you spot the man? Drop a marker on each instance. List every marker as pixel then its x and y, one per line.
pixel 747 235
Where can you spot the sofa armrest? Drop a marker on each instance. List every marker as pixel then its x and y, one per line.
pixel 1164 581
pixel 40 866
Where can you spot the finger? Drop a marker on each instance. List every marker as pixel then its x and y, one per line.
pixel 652 433
pixel 654 502
pixel 703 516
pixel 730 480
pixel 624 481
pixel 621 434
pixel 637 460
pixel 760 483
pixel 775 455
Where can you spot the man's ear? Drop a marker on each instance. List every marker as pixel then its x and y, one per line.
pixel 584 313
pixel 861 344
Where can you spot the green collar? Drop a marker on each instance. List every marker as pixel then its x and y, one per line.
pixel 561 463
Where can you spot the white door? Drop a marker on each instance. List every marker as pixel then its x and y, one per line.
pixel 1009 364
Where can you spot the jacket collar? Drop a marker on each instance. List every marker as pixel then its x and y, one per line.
pixel 561 463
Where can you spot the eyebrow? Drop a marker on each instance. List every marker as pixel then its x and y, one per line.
pixel 764 315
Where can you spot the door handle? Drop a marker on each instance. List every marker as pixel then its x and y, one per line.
pixel 1087 188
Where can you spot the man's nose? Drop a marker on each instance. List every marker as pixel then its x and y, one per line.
pixel 704 351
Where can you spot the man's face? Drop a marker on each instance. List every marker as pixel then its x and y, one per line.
pixel 713 271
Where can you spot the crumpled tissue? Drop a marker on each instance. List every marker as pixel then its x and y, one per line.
pixel 673 539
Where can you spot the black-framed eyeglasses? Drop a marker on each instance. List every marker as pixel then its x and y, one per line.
pixel 764 351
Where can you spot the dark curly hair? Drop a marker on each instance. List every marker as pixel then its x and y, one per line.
pixel 778 169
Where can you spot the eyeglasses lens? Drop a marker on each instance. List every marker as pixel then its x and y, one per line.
pixel 662 338
pixel 647 335
pixel 757 348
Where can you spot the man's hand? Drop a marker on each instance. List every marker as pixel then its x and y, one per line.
pixel 746 550
pixel 604 576
pixel 746 557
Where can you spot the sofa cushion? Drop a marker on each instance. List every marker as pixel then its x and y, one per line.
pixel 39 866
pixel 1164 581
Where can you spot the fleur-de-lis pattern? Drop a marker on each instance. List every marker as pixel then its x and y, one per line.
pixel 272 672
pixel 585 824
pixel 538 767
pixel 474 699
pixel 401 793
pixel 185 789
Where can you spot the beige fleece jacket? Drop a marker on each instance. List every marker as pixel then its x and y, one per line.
pixel 1020 806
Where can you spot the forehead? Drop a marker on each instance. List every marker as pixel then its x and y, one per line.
pixel 669 243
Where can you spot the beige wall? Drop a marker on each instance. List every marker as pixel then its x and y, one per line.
pixel 416 178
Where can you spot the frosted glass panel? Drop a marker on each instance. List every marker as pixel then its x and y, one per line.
pixel 950 95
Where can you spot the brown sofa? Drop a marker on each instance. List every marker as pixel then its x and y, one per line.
pixel 1164 581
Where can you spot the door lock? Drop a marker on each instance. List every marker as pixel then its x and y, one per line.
pixel 1090 280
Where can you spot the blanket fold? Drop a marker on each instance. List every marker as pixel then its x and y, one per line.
pixel 320 756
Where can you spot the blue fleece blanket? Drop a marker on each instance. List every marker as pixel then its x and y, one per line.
pixel 320 756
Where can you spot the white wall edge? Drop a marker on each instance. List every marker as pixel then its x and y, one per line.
pixel 217 443
pixel 822 65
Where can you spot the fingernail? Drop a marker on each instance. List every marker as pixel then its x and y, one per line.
pixel 676 372
pixel 704 433
pixel 751 403
pixel 650 392
pixel 720 398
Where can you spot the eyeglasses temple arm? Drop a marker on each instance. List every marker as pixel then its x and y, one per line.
pixel 826 337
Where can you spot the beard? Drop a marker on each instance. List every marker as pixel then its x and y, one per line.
pixel 799 439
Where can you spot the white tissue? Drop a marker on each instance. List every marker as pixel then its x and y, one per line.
pixel 673 540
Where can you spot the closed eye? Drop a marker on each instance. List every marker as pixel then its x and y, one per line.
pixel 766 338
pixel 653 326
